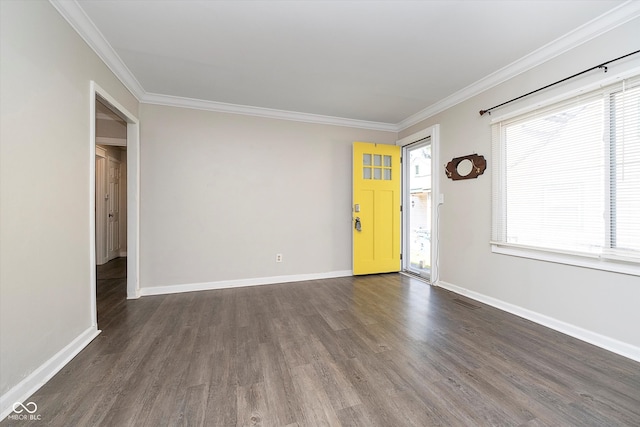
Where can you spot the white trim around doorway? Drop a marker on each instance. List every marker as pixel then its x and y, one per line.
pixel 433 133
pixel 133 194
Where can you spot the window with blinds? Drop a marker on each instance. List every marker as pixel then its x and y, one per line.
pixel 566 178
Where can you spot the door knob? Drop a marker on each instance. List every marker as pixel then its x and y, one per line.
pixel 110 215
pixel 358 224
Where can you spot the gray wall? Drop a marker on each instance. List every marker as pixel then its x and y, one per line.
pixel 601 302
pixel 221 194
pixel 44 183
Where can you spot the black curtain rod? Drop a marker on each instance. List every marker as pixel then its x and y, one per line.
pixel 602 66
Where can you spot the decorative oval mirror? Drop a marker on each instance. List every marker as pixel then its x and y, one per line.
pixel 466 167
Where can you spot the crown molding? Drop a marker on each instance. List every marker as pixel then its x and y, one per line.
pixel 79 21
pixel 592 29
pixel 221 107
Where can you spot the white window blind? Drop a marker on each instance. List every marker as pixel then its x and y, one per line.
pixel 566 178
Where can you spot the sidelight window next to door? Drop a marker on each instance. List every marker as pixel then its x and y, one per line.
pixel 418 202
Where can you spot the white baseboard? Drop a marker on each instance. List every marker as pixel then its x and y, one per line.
pixel 25 388
pixel 123 253
pixel 133 295
pixel 207 286
pixel 602 341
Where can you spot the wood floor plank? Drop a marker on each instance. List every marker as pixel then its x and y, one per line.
pixel 174 387
pixel 253 409
pixel 374 392
pixel 356 416
pixel 384 350
pixel 337 387
pixel 192 410
pixel 249 370
pixel 221 409
pixel 316 405
pixel 281 396
pixel 472 405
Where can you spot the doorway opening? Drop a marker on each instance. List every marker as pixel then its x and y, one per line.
pixel 420 201
pixel 114 199
pixel 111 209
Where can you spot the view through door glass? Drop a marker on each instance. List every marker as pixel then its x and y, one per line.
pixel 419 217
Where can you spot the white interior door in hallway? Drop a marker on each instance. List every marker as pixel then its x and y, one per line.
pixel 113 209
pixel 101 209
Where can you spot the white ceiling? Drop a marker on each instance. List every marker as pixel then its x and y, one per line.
pixel 376 61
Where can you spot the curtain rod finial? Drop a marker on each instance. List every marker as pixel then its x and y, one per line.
pixel 483 112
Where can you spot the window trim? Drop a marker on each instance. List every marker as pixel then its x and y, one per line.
pixel 575 259
pixel 615 264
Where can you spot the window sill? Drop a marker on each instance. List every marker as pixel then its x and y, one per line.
pixel 578 260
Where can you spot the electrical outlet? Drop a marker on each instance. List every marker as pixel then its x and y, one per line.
pixel 278 257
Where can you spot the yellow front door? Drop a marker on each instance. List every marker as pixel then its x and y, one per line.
pixel 376 208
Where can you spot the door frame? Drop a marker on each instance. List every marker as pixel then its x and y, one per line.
pixel 432 132
pixel 133 194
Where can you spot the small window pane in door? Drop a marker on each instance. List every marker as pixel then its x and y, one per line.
pixel 387 161
pixel 387 174
pixel 366 173
pixel 366 159
pixel 377 160
pixel 377 173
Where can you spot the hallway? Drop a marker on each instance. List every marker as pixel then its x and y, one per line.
pixel 111 290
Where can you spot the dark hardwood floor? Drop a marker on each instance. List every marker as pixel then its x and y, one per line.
pixel 383 350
